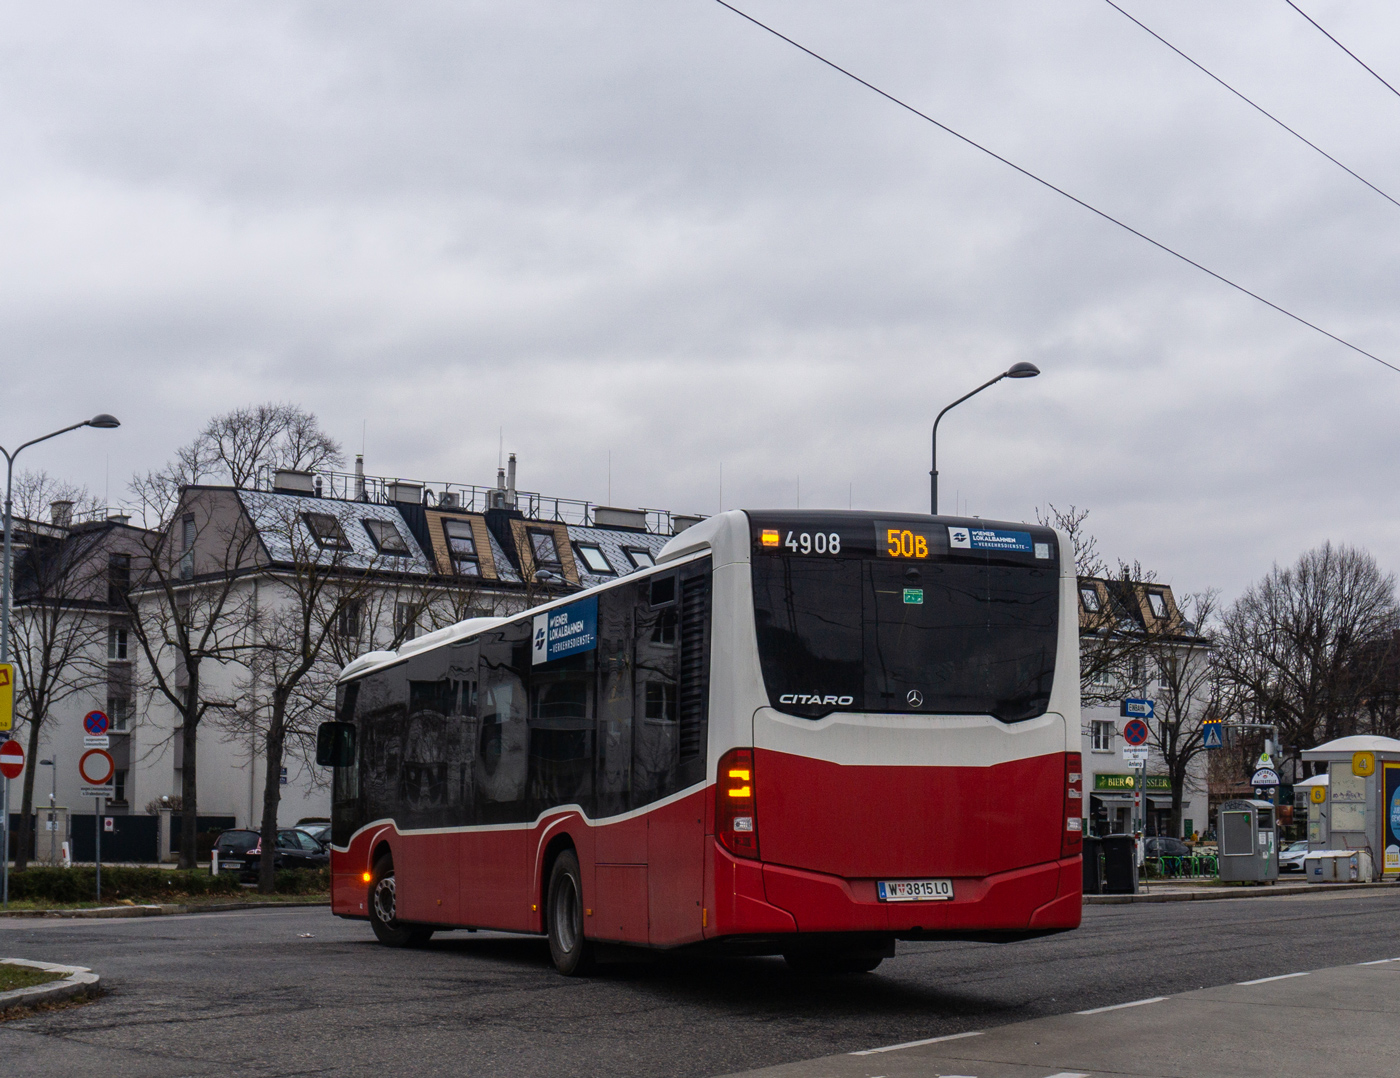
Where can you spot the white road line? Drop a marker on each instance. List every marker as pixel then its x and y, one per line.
pixel 915 1044
pixel 1070 1074
pixel 1378 962
pixel 1280 977
pixel 1120 1006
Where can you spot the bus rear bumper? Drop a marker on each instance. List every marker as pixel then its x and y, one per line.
pixel 1031 900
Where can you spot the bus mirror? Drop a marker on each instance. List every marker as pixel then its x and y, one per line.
pixel 335 744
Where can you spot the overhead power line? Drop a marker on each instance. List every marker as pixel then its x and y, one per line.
pixel 1251 104
pixel 1339 45
pixel 1058 190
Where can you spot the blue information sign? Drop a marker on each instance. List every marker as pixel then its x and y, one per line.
pixel 1211 736
pixel 964 538
pixel 1138 709
pixel 565 630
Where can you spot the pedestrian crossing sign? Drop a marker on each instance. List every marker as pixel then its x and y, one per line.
pixel 1212 736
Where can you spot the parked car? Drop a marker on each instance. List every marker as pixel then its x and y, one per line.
pixel 1165 846
pixel 321 832
pixel 1290 858
pixel 240 851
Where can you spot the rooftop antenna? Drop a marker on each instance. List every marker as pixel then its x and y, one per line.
pixel 501 448
pixel 610 477
pixel 364 429
pixel 721 486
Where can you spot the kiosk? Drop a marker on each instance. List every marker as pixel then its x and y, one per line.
pixel 1362 806
pixel 1248 833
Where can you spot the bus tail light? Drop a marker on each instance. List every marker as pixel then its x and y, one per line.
pixel 1072 840
pixel 736 821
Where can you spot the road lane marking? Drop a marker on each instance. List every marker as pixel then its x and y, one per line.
pixel 1070 1074
pixel 1120 1006
pixel 1280 977
pixel 1378 962
pixel 915 1044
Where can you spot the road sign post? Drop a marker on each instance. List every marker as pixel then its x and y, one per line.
pixel 96 768
pixel 11 767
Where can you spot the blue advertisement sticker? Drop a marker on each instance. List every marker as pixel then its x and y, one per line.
pixel 961 538
pixel 565 630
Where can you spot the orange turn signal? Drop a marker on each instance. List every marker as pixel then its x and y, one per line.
pixel 367 877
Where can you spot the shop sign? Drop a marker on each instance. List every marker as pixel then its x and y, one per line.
pixel 1128 783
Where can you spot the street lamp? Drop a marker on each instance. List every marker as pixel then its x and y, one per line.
pixel 53 815
pixel 102 421
pixel 1016 370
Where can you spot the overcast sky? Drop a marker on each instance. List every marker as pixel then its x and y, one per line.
pixel 651 229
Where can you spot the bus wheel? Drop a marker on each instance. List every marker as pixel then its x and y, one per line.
pixel 382 906
pixel 572 954
pixel 830 961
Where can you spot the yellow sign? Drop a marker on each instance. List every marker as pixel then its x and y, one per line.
pixel 1363 764
pixel 7 696
pixel 1318 794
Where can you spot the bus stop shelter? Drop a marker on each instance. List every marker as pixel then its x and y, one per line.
pixel 1363 798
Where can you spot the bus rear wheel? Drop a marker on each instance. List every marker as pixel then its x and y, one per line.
pixel 383 908
pixel 572 954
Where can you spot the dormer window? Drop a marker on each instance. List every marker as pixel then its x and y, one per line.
pixel 326 530
pixel 641 559
pixel 387 538
pixel 1090 598
pixel 461 547
pixel 545 552
pixel 1158 602
pixel 593 558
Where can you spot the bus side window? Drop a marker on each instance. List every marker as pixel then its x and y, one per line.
pixel 438 742
pixel 655 734
pixel 562 727
pixel 693 673
pixel 614 739
pixel 500 766
pixel 382 709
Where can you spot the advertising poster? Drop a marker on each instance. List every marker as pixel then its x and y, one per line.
pixel 1391 785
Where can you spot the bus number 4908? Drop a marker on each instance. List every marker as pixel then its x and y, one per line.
pixel 806 543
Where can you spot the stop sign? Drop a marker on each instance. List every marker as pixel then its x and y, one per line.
pixel 11 759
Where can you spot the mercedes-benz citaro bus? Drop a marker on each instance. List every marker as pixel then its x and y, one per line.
pixel 802 733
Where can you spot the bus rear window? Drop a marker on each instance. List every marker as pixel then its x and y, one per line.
pixel 971 636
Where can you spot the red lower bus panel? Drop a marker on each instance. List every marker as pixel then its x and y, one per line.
pixel 887 822
pixel 676 870
pixel 737 905
pixel 1067 910
pixel 1004 902
pixel 619 904
pixel 425 877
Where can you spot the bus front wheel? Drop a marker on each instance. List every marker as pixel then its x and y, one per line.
pixel 383 908
pixel 572 953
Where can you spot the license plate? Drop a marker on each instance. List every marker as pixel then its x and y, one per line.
pixel 915 890
pixel 230 864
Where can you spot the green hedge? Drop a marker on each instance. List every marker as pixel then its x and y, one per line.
pixel 147 884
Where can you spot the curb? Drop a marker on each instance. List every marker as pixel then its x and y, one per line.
pixel 1241 892
pixel 80 982
pixel 164 909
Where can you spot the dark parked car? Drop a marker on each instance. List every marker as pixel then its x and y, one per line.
pixel 1165 846
pixel 241 851
pixel 321 832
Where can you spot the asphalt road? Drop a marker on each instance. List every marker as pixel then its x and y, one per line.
pixel 295 992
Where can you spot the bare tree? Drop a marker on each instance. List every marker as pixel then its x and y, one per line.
pixel 1179 655
pixel 1304 647
pixel 304 600
pixel 58 631
pixel 237 445
pixel 187 611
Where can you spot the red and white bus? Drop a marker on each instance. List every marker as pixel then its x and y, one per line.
pixel 801 733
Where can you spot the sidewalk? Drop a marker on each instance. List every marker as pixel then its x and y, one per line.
pixel 1344 1020
pixel 1189 890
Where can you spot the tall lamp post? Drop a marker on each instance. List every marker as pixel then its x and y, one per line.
pixel 1016 370
pixel 102 421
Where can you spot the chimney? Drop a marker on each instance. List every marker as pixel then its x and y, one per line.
pixel 510 482
pixel 360 477
pixel 61 512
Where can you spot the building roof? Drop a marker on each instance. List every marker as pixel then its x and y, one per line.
pixel 1345 746
pixel 271 514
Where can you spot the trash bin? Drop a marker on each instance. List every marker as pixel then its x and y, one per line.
pixel 1120 875
pixel 1093 865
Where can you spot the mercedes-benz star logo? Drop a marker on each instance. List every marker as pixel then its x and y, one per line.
pixel 915 698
